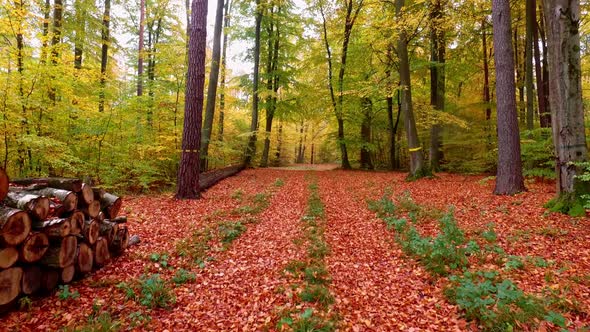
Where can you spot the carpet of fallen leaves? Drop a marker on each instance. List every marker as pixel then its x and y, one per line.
pixel 376 287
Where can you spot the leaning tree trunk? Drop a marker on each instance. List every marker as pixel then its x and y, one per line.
pixel 565 83
pixel 509 179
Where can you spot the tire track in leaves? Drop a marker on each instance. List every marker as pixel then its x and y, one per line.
pixel 375 287
pixel 238 291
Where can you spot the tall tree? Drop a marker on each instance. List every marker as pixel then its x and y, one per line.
pixel 188 173
pixel 212 88
pixel 437 76
pixel 251 148
pixel 417 168
pixel 226 25
pixel 104 57
pixel 531 17
pixel 80 32
pixel 565 83
pixel 509 179
pixel 140 48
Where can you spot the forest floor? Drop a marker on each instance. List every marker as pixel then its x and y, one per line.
pixel 281 250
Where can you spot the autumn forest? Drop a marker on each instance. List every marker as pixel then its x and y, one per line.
pixel 289 165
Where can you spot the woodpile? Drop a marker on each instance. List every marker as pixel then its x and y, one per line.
pixel 53 230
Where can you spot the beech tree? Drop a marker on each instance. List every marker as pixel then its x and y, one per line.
pixel 509 179
pixel 565 83
pixel 188 172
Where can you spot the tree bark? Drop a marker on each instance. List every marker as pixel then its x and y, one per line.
pixel 68 199
pixel 188 173
pixel 226 25
pixel 531 16
pixel 565 83
pixel 212 88
pixel 37 206
pixel 80 33
pixel 509 179
pixel 104 57
pixel 15 226
pixel 365 157
pixel 71 184
pixel 486 72
pixel 140 48
pixel 54 228
pixel 251 148
pixel 416 153
pixel 437 77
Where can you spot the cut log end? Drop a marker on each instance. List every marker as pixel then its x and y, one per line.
pixel 10 284
pixel 40 209
pixel 34 247
pixel 91 231
pixel 62 255
pixel 31 281
pixel 120 241
pixel 101 252
pixel 8 256
pixel 111 205
pixel 67 274
pixel 15 225
pixel 90 210
pixel 86 194
pixel 84 259
pixel 54 228
pixel 70 202
pixel 49 279
pixel 76 223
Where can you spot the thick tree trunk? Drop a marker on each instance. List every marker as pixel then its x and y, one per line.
pixel 31 280
pixel 251 148
pixel 8 256
pixel 212 88
pixel 10 279
pixel 34 247
pixel 54 228
pixel 15 226
pixel 37 206
pixel 509 179
pixel 416 153
pixel 188 173
pixel 62 254
pixel 565 84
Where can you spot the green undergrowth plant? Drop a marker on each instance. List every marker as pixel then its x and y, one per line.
pixel 64 293
pixel 183 276
pixel 305 321
pixel 150 291
pixel 496 303
pixel 229 231
pixel 99 320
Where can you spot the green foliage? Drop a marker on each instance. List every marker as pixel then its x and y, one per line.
pixel 196 246
pixel 489 234
pixel 139 319
pixel 64 293
pixel 569 204
pixel 514 263
pixel 102 322
pixel 183 276
pixel 279 182
pixel 154 293
pixel 127 289
pixel 25 303
pixel 306 321
pixel 160 259
pixel 538 153
pixel 230 230
pixel 319 294
pixel 317 275
pixel 497 304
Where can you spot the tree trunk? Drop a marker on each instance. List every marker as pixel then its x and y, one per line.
pixel 365 157
pixel 104 57
pixel 31 280
pixel 486 72
pixel 36 206
pixel 277 161
pixel 10 279
pixel 545 68
pixel 251 149
pixel 273 87
pixel 80 33
pixel 140 49
pixel 34 247
pixel 3 184
pixel 54 228
pixel 188 173
pixel 8 256
pixel 226 25
pixel 212 88
pixel 84 258
pixel 15 226
pixel 531 17
pixel 71 184
pixel 416 154
pixel 62 254
pixel 544 117
pixel 55 41
pixel 437 78
pixel 565 83
pixel 509 179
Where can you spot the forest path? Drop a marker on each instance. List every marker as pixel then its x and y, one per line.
pixel 239 290
pixel 375 287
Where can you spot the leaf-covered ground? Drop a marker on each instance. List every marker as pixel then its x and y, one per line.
pixel 240 283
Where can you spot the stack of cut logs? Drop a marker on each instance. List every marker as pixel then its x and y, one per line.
pixel 52 230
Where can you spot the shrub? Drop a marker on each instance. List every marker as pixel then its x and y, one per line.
pixel 183 276
pixel 155 293
pixel 230 230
